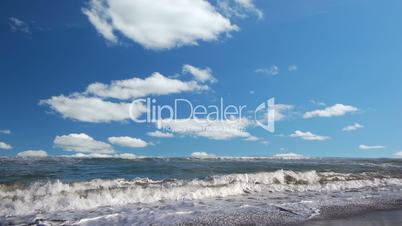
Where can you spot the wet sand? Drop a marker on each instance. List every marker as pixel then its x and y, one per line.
pixel 376 218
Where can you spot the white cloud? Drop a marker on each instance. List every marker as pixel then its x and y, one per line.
pixel 252 138
pixel 292 67
pixel 199 74
pixel 5 131
pixel 92 109
pixel 265 142
pixel 156 84
pixel 93 105
pixel 33 154
pixel 398 154
pixel 332 111
pixel 289 156
pixel 201 155
pixel 211 129
pixel 162 25
pixel 18 25
pixel 128 142
pixel 239 8
pixel 273 70
pixel 5 146
pixel 281 111
pixel 319 103
pixel 82 143
pixel 160 134
pixel 95 155
pixel 129 156
pixel 368 147
pixel 308 136
pixel 353 127
pixel 96 14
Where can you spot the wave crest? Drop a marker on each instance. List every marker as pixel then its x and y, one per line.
pixel 59 196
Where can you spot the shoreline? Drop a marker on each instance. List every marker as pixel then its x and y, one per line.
pixel 388 217
pixel 370 214
pixel 348 215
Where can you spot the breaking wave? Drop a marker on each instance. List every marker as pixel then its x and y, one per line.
pixel 60 196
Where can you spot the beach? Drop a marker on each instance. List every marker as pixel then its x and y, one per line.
pixel 193 191
pixel 375 218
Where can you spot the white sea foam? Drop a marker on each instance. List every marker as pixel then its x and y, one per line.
pixel 58 196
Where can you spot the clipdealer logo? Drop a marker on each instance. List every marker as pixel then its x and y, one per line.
pixel 184 109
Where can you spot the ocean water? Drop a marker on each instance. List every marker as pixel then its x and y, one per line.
pixel 180 191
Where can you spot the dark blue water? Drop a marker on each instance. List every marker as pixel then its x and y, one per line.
pixel 74 169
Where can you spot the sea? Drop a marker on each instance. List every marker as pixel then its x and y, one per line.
pixel 193 191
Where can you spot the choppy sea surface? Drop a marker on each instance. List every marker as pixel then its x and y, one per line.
pixel 187 191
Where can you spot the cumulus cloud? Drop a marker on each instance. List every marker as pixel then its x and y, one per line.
pixel 353 127
pixel 319 103
pixel 82 143
pixel 370 147
pixel 202 155
pixel 162 25
pixel 265 142
pixel 105 102
pixel 252 138
pixel 128 156
pixel 18 25
pixel 5 146
pixel 332 111
pixel 308 136
pixel 239 8
pixel 160 134
pixel 273 70
pixel 156 84
pixel 128 142
pixel 199 74
pixel 33 154
pixel 398 154
pixel 288 156
pixel 104 156
pixel 211 129
pixel 93 109
pixel 98 17
pixel 281 111
pixel 5 131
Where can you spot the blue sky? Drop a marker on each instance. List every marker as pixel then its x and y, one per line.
pixel 340 60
